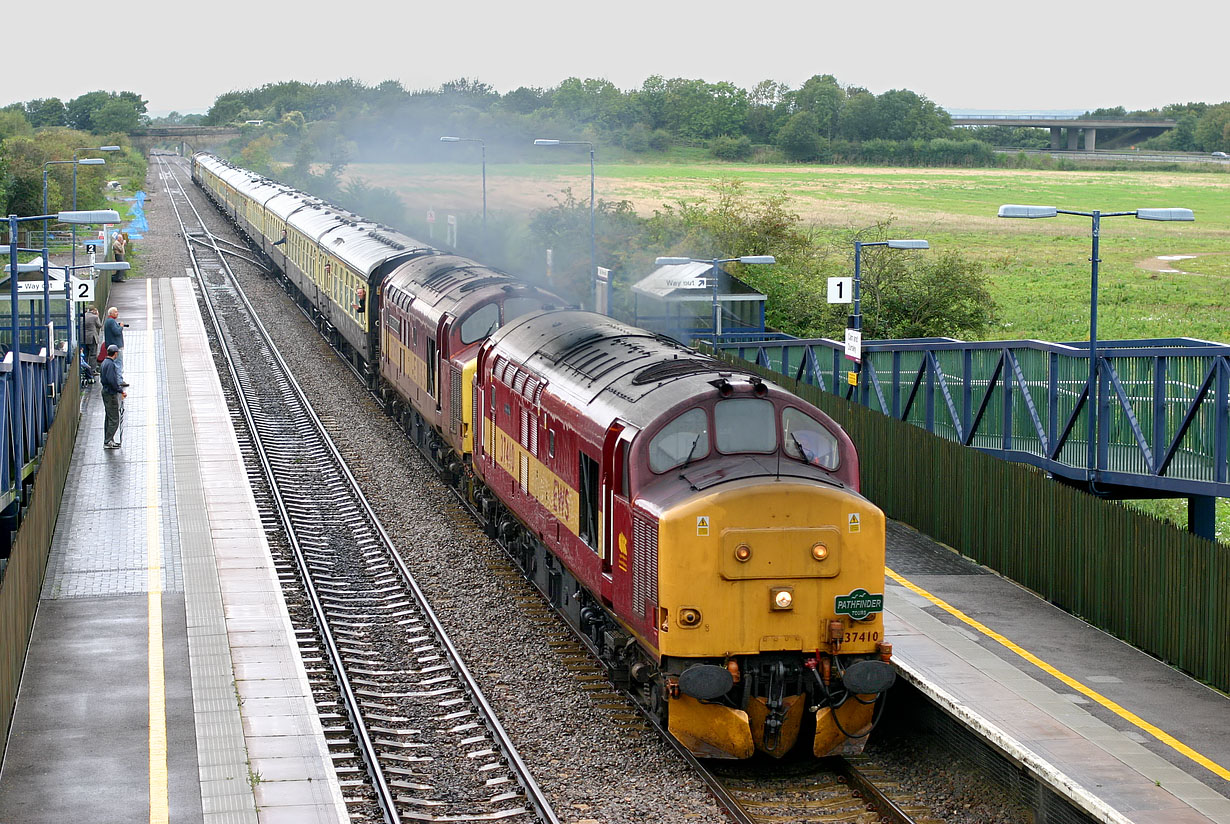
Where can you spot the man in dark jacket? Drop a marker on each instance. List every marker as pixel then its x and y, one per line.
pixel 112 395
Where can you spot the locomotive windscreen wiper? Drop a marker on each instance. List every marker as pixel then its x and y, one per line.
pixel 688 460
pixel 807 456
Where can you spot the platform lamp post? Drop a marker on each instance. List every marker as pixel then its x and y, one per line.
pixel 483 144
pixel 74 218
pixel 75 152
pixel 717 311
pixel 87 161
pixel 593 251
pixel 1096 217
pixel 856 319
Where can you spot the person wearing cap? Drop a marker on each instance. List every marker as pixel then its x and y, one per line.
pixel 112 395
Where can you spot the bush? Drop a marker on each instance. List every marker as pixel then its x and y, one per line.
pixel 731 148
pixel 800 137
pixel 636 139
pixel 660 140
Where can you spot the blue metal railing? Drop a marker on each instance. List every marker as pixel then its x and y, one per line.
pixel 1162 406
pixel 42 380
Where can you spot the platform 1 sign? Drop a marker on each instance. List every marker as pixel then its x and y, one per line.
pixel 841 290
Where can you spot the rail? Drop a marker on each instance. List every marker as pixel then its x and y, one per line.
pixel 292 445
pixel 1162 406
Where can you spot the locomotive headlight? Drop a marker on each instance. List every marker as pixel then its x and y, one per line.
pixel 783 598
pixel 743 553
pixel 819 552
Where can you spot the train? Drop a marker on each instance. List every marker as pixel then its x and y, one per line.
pixel 701 527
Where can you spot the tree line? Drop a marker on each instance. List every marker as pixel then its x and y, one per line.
pixel 821 121
pixel 24 151
pixel 96 112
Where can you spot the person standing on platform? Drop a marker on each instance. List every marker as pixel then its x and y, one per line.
pixel 91 335
pixel 118 246
pixel 113 398
pixel 113 333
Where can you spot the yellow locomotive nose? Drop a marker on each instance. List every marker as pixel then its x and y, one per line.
pixel 786 574
pixel 769 568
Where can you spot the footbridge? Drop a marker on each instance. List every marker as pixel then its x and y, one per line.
pixel 1161 407
pixel 1074 126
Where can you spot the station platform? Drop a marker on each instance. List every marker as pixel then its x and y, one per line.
pixel 1129 738
pixel 162 681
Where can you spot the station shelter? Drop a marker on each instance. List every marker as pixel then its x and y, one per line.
pixel 678 300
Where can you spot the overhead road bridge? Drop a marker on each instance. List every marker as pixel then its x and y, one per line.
pixel 197 137
pixel 1073 125
pixel 1162 406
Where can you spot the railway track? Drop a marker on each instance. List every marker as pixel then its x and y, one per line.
pixel 407 725
pixel 833 790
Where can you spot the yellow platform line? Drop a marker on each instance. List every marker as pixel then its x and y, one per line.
pixel 1129 716
pixel 159 809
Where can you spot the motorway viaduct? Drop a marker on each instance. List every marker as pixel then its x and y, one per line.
pixel 1073 125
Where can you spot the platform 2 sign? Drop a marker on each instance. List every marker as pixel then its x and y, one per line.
pixel 82 289
pixel 859 604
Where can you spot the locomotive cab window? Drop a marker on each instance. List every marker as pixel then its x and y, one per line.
pixel 807 440
pixel 683 440
pixel 481 323
pixel 745 425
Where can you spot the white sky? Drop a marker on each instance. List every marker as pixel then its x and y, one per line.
pixel 960 54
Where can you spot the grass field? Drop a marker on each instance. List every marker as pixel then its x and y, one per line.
pixel 1039 268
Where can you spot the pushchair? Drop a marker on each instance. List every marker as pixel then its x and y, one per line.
pixel 88 375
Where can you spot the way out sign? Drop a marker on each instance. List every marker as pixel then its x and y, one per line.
pixel 841 290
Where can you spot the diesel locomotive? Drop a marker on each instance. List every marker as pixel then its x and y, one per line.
pixel 701 527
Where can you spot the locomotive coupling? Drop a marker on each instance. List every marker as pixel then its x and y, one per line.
pixel 642 672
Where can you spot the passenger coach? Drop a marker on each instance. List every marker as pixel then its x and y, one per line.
pixel 335 260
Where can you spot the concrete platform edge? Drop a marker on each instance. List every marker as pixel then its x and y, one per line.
pixel 1169 777
pixel 203 602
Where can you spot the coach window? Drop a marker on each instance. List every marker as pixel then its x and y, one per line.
pixel 683 440
pixel 807 440
pixel 481 323
pixel 745 425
